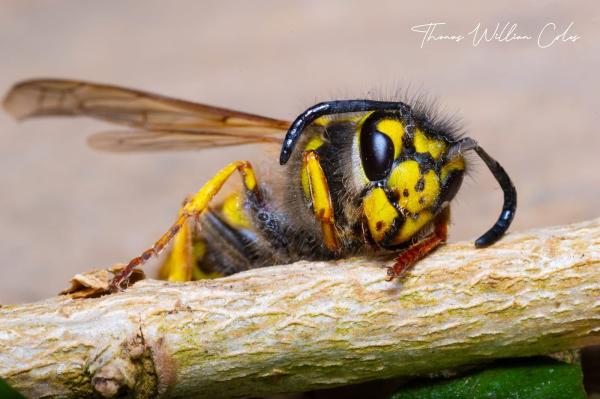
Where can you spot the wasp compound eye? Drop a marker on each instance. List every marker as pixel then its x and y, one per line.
pixel 376 152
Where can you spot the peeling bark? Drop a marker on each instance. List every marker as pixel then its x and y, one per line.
pixel 312 325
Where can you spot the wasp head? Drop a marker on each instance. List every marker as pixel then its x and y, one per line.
pixel 411 168
pixel 411 171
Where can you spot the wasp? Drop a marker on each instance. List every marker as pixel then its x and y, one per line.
pixel 361 177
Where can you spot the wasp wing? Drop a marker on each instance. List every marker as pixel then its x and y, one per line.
pixel 171 122
pixel 164 140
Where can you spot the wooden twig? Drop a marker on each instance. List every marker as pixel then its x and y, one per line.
pixel 312 325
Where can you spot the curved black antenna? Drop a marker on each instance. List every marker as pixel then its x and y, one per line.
pixel 510 193
pixel 328 108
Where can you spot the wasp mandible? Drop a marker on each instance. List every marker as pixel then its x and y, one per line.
pixel 363 177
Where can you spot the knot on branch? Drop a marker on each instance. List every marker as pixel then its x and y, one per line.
pixel 130 372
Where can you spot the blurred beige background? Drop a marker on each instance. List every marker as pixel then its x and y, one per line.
pixel 66 209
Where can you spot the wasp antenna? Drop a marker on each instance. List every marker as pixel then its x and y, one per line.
pixel 510 201
pixel 510 193
pixel 303 120
pixel 328 108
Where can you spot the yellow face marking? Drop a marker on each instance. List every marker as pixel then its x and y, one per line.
pixel 394 129
pixel 379 212
pixel 233 211
pixel 411 226
pixel 456 163
pixel 425 144
pixel 415 190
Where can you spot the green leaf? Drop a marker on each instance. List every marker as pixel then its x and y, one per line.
pixel 534 378
pixel 6 392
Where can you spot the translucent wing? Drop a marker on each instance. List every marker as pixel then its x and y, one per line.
pixel 161 123
pixel 163 140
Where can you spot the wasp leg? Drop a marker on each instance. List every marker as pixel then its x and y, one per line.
pixel 193 208
pixel 321 199
pixel 417 251
pixel 179 264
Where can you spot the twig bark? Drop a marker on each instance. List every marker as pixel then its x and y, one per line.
pixel 312 325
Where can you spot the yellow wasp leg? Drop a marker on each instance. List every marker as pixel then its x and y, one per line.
pixel 193 208
pixel 182 262
pixel 179 263
pixel 321 199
